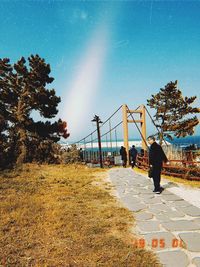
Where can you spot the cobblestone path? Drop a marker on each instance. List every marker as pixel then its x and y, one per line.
pixel 165 223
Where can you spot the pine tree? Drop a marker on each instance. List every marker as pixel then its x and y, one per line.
pixel 22 91
pixel 173 112
pixel 3 140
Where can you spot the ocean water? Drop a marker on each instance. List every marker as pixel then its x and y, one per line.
pixel 115 145
pixel 187 141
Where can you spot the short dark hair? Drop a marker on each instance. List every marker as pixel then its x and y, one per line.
pixel 151 137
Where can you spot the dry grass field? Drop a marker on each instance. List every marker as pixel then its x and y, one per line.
pixel 64 215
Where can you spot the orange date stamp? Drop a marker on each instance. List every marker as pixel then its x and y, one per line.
pixel 159 243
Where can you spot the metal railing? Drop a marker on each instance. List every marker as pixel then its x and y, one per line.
pixel 189 170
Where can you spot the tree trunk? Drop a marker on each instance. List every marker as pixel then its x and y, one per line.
pixel 22 133
pixel 161 137
pixel 22 147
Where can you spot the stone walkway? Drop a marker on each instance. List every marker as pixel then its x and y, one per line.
pixel 165 223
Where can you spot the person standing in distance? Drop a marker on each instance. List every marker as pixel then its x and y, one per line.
pixel 156 158
pixel 123 156
pixel 81 154
pixel 133 155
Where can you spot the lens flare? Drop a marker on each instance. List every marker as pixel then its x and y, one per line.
pixel 84 87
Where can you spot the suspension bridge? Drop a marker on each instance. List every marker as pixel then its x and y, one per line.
pixel 106 135
pixel 101 146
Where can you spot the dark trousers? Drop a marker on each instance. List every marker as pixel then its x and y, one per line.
pixel 133 162
pixel 156 177
pixel 124 162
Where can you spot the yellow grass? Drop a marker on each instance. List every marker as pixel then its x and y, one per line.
pixel 58 215
pixel 195 184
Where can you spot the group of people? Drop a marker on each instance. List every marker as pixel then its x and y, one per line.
pixel 132 156
pixel 156 159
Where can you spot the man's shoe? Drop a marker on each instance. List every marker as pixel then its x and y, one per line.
pixel 157 192
pixel 161 189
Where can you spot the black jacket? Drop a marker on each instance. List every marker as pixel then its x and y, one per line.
pixel 123 153
pixel 133 153
pixel 156 155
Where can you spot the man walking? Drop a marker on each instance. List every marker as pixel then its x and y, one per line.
pixel 156 158
pixel 133 155
pixel 123 156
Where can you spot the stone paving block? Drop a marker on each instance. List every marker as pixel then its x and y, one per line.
pixel 196 261
pixel 153 200
pixel 181 203
pixel 154 211
pixel 147 196
pixel 130 199
pixel 136 177
pixel 150 187
pixel 135 206
pixel 134 183
pixel 139 187
pixel 135 188
pixel 180 225
pixel 144 192
pixel 133 193
pixel 144 182
pixel 148 193
pixel 171 197
pixel 166 192
pixel 174 214
pixel 192 241
pixel 143 188
pixel 148 226
pixel 162 217
pixel 159 240
pixel 130 192
pixel 161 207
pixel 190 210
pixel 148 183
pixel 173 258
pixel 196 220
pixel 143 215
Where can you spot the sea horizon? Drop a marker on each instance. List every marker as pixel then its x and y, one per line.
pixel 182 142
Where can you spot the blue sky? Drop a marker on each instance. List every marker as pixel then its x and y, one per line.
pixel 106 53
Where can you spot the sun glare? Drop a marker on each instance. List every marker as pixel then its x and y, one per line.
pixel 86 82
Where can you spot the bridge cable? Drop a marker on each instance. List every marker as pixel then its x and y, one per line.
pixel 110 135
pixel 155 124
pixel 106 141
pixel 100 126
pixel 116 140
